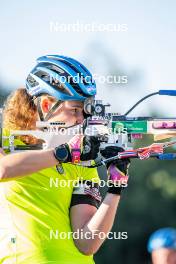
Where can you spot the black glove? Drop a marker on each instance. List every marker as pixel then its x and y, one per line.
pixel 90 148
pixel 111 151
pixel 78 148
pixel 119 173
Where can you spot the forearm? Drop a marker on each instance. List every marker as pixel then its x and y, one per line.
pixel 24 163
pixel 101 221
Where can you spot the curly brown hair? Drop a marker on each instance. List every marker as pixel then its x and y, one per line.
pixel 20 113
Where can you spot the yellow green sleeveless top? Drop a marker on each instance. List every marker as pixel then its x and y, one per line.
pixel 39 209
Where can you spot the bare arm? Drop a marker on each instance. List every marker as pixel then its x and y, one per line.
pixel 94 221
pixel 23 163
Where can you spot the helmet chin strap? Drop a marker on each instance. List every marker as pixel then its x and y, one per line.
pixel 49 114
pixel 52 110
pixel 40 109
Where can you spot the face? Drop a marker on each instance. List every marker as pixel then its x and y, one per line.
pixel 69 112
pixel 164 256
pixel 172 257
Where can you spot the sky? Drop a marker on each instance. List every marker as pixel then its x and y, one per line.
pixel 147 46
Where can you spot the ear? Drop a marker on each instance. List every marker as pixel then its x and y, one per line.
pixel 46 105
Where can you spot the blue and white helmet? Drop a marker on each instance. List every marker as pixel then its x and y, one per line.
pixel 61 77
pixel 162 238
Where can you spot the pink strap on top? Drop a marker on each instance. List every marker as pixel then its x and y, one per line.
pixel 75 147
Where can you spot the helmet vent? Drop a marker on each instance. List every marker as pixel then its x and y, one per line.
pixel 62 88
pixel 32 82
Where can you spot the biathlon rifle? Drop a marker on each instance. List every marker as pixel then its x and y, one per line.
pixel 112 129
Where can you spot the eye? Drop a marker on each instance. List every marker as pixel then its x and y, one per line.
pixel 74 110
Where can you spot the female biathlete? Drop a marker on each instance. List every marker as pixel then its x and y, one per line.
pixel 43 215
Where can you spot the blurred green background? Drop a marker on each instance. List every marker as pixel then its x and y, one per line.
pixel 145 53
